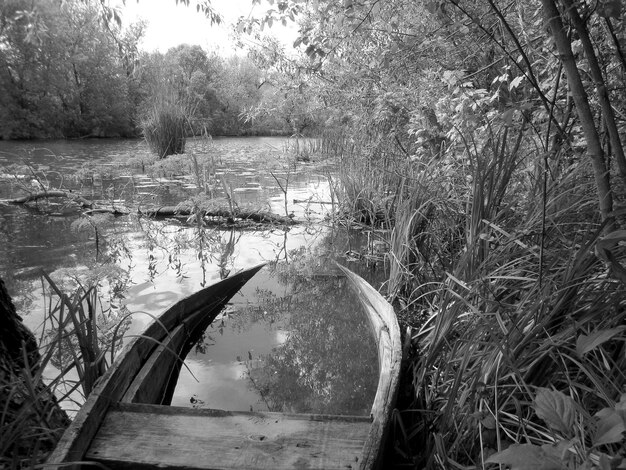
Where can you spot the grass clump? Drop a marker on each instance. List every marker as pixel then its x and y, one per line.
pixel 163 127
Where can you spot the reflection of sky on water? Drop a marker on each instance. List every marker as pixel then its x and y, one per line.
pixel 167 260
pixel 221 378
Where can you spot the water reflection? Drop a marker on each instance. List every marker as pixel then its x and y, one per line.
pixel 327 362
pixel 294 339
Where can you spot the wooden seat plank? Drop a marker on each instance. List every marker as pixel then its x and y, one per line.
pixel 150 436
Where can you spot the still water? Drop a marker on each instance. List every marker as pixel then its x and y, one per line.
pixel 294 339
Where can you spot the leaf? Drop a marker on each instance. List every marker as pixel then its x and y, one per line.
pixel 621 405
pixel 526 457
pixel 608 242
pixel 507 116
pixel 516 82
pixel 556 409
pixel 586 343
pixel 604 462
pixel 610 427
pixel 489 422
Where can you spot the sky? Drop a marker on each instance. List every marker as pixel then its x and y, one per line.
pixel 170 24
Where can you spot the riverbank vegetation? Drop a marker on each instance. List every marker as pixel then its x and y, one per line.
pixel 485 138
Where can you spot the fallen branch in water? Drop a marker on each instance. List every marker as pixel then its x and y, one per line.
pixel 77 198
pixel 107 210
pixel 93 208
pixel 256 216
pixel 311 201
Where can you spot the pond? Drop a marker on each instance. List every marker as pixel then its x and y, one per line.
pixel 294 339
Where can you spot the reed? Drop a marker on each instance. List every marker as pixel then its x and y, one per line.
pixel 517 301
pixel 496 262
pixel 163 127
pixel 74 345
pixel 30 420
pixel 494 341
pixel 369 189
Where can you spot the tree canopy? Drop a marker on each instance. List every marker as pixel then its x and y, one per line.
pixel 69 69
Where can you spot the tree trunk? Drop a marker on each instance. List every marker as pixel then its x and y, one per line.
pixel 552 16
pixel 601 91
pixel 31 418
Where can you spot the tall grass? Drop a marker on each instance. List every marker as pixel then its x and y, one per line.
pixel 518 315
pixel 493 340
pixel 508 316
pixel 163 127
pixel 75 345
pixel 30 420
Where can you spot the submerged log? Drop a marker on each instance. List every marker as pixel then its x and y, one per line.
pixel 74 197
pixel 30 408
pixel 312 201
pixel 93 208
pixel 256 216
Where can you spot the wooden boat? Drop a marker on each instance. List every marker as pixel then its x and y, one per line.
pixel 125 423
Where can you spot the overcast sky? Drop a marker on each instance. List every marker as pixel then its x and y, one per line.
pixel 170 24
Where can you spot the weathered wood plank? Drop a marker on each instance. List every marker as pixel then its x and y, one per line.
pixel 384 325
pixel 145 436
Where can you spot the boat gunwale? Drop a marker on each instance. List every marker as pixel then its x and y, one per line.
pixel 386 331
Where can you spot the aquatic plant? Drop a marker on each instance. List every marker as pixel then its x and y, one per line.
pixel 163 127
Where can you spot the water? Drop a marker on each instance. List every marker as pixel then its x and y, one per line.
pixel 294 339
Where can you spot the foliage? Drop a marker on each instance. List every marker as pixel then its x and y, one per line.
pixel 69 69
pixel 80 329
pixel 214 91
pixel 487 137
pixel 63 72
pixel 288 97
pixel 492 151
pixel 584 435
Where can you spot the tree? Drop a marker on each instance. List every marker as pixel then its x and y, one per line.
pixel 288 99
pixel 64 73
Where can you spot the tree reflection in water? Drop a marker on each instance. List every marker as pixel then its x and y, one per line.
pixel 328 360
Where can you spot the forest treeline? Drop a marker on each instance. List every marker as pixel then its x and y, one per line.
pixel 65 71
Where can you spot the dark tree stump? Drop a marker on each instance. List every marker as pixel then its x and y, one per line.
pixel 30 414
